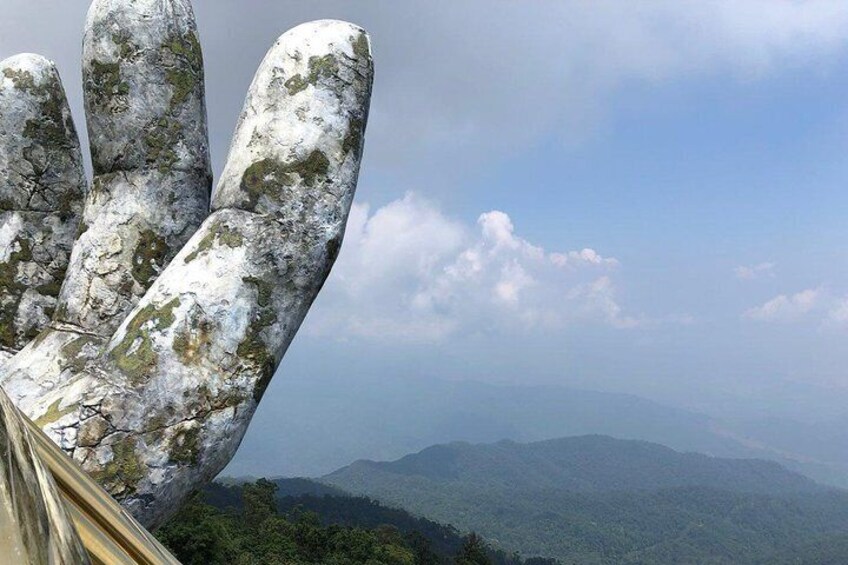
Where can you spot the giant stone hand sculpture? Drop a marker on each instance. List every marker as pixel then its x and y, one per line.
pixel 146 367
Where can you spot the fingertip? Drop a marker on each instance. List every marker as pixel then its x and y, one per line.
pixel 31 62
pixel 300 137
pixel 40 159
pixel 144 87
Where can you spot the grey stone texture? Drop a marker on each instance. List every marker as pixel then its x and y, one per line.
pixel 146 115
pixel 42 186
pixel 159 352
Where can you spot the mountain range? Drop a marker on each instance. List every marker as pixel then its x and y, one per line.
pixel 317 425
pixel 595 499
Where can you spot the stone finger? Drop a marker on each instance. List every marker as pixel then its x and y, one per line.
pixel 42 187
pixel 146 115
pixel 200 349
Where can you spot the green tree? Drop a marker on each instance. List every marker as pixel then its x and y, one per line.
pixel 199 535
pixel 259 501
pixel 473 551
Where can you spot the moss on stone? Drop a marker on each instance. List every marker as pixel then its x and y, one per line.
pixel 319 67
pixel 23 80
pixel 161 141
pixel 135 355
pixel 264 177
pixel 54 413
pixel 270 176
pixel 9 269
pixel 188 47
pixel 353 138
pixel 296 84
pixel 157 422
pixel 264 290
pixel 49 288
pixel 127 50
pixel 184 78
pixel 7 329
pixel 255 351
pixel 360 46
pixel 266 374
pixel 107 85
pixel 51 132
pixel 68 203
pixel 82 227
pixel 202 247
pixel 218 232
pixel 185 446
pixel 149 258
pixel 50 129
pixel 228 399
pixel 230 237
pixel 310 169
pixel 183 83
pixel 192 339
pixel 138 363
pixel 123 473
pixel 72 353
pixel 11 291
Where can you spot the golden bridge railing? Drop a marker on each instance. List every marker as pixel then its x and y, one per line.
pixel 51 511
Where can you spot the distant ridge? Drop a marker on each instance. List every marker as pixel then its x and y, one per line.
pixel 596 499
pixel 331 422
pixel 588 463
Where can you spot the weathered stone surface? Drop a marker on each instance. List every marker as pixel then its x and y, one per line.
pixel 146 115
pixel 302 123
pixel 144 87
pixel 34 526
pixel 42 186
pixel 159 408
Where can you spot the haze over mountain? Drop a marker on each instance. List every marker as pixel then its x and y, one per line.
pixel 579 464
pixel 595 499
pixel 329 423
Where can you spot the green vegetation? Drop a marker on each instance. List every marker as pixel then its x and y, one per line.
pixel 136 360
pixel 596 500
pixel 325 66
pixel 252 523
pixel 124 471
pixel 270 177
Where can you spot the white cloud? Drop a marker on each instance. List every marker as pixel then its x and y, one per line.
pixel 786 308
pixel 819 306
pixel 599 296
pixel 408 272
pixel 838 313
pixel 754 271
pixel 585 256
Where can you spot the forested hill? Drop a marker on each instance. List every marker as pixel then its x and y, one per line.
pixel 335 420
pixel 302 522
pixel 579 464
pixel 594 499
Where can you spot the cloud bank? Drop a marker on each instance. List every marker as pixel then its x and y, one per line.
pixel 408 272
pixel 817 305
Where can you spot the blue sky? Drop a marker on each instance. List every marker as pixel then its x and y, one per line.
pixel 695 150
